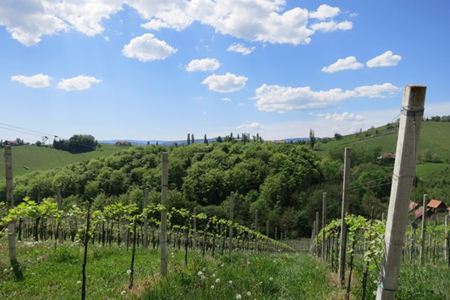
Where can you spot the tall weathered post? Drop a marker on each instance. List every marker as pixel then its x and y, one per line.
pixel 324 222
pixel 145 233
pixel 424 227
pixel 267 228
pixel 402 182
pixel 163 225
pixel 10 202
pixel 344 209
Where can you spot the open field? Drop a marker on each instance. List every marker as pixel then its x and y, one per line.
pixel 31 158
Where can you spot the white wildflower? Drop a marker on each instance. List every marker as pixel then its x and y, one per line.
pixel 200 273
pixel 217 280
pixel 238 296
pixel 79 282
pixel 214 275
pixel 230 282
pixel 249 293
pixel 123 293
pixel 212 287
pixel 270 278
pixel 128 272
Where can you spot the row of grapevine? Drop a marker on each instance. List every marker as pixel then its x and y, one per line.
pixel 365 248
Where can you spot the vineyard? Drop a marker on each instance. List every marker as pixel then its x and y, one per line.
pixel 116 229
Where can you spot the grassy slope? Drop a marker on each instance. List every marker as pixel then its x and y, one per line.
pixel 51 274
pixel 43 158
pixel 435 136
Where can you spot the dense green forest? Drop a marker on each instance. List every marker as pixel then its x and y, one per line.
pixel 284 182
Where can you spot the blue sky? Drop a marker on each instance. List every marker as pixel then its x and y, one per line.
pixel 159 69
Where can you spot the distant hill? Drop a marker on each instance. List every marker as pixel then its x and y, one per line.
pixel 30 158
pixel 433 150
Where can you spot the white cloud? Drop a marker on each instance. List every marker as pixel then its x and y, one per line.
pixel 28 20
pixel 226 83
pixel 35 81
pixel 331 26
pixel 250 126
pixel 267 21
pixel 204 64
pixel 77 83
pixel 148 48
pixel 275 98
pixel 348 63
pixel 226 99
pixel 341 117
pixel 239 48
pixel 387 59
pixel 324 12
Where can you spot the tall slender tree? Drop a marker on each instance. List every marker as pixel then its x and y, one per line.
pixel 205 139
pixel 189 139
pixel 192 138
pixel 312 138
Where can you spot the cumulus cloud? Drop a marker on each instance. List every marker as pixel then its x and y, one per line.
pixel 268 21
pixel 77 83
pixel 250 126
pixel 239 48
pixel 341 117
pixel 331 26
pixel 348 63
pixel 148 48
pixel 226 99
pixel 226 83
pixel 28 20
pixel 35 81
pixel 276 98
pixel 325 11
pixel 204 64
pixel 387 59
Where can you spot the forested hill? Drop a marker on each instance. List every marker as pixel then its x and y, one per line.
pixel 284 182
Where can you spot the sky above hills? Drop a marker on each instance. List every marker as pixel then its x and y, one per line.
pixel 151 69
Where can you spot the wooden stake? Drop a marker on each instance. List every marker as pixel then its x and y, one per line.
pixel 402 182
pixel 344 208
pixel 324 222
pixel 163 225
pixel 145 233
pixel 424 227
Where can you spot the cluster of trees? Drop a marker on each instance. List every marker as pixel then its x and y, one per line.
pixel 78 143
pixel 438 119
pixel 283 182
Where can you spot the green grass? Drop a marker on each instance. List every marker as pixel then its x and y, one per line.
pixel 32 158
pixel 55 274
pixel 434 136
pixel 427 170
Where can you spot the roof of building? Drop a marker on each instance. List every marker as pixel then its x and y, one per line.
pixel 434 204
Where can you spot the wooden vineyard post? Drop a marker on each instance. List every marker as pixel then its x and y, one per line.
pixel 267 228
pixel 163 225
pixel 317 234
pixel 413 245
pixel 401 188
pixel 324 222
pixel 231 227
pixel 424 227
pixel 447 242
pixel 256 220
pixel 194 226
pixel 344 208
pixel 11 225
pixel 145 233
pixel 59 205
pixel 85 245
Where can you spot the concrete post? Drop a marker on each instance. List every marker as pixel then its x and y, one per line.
pixel 163 225
pixel 324 222
pixel 402 182
pixel 344 209
pixel 424 227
